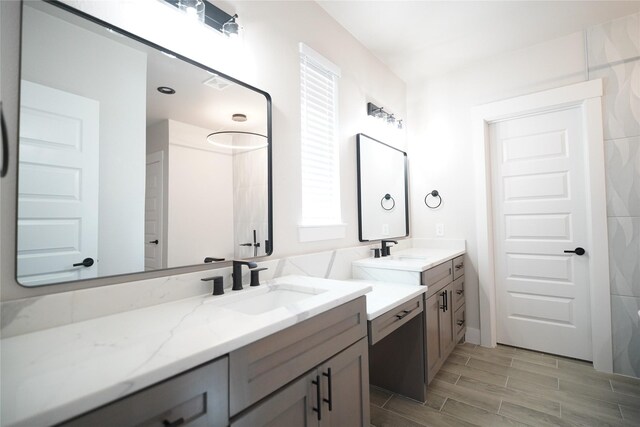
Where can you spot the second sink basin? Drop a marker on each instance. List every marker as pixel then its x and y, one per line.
pixel 272 298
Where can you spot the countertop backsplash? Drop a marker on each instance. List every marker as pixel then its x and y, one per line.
pixel 49 311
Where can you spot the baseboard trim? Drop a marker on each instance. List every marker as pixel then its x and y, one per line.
pixel 472 335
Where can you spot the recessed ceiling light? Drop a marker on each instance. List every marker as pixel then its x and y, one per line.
pixel 238 117
pixel 166 90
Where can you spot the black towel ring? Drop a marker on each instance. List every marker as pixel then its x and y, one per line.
pixel 387 197
pixel 433 194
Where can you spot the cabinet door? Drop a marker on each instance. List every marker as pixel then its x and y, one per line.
pixel 292 406
pixel 432 333
pixel 447 330
pixel 345 388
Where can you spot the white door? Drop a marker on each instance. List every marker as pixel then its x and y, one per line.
pixel 539 203
pixel 58 185
pixel 153 218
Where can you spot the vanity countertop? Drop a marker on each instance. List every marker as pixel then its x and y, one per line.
pixel 413 259
pixel 386 296
pixel 52 375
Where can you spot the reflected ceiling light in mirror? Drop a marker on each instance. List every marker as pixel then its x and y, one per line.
pixel 389 118
pixel 237 140
pixel 239 117
pixel 192 8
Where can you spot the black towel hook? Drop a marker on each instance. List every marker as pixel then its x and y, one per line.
pixel 433 194
pixel 387 197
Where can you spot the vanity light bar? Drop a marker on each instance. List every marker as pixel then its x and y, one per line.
pixel 379 113
pixel 213 15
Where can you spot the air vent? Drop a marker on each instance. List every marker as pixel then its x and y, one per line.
pixel 217 82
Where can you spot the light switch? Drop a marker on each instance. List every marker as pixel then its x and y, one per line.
pixel 439 229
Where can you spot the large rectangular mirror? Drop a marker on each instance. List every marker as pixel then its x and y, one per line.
pixel 383 209
pixel 132 158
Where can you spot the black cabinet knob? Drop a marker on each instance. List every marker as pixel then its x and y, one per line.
pixel 87 262
pixel 578 251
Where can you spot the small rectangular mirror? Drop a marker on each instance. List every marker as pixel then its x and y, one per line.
pixel 383 207
pixel 132 158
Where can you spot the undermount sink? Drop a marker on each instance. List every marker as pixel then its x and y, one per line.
pixel 407 258
pixel 271 298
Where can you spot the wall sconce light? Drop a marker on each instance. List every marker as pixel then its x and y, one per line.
pixel 379 113
pixel 211 15
pixel 231 28
pixel 193 8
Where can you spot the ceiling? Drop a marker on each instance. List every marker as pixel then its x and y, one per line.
pixel 416 39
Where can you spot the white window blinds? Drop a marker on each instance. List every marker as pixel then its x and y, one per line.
pixel 320 161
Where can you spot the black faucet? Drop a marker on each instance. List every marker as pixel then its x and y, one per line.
pixel 218 284
pixel 237 273
pixel 386 250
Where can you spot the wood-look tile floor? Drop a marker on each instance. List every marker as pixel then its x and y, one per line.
pixel 508 386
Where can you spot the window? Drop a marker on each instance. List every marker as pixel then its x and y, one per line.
pixel 319 149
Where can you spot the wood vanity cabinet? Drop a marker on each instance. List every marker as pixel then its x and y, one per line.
pixel 333 394
pixel 195 398
pixel 313 373
pixel 443 312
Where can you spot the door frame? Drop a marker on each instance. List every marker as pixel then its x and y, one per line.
pixel 158 156
pixel 588 96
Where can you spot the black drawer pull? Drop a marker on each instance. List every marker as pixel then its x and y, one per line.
pixel 460 322
pixel 178 422
pixel 404 314
pixel 459 266
pixel 443 307
pixel 316 382
pixel 330 399
pixel 460 291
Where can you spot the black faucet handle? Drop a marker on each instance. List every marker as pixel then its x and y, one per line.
pixel 376 252
pixel 218 284
pixel 255 276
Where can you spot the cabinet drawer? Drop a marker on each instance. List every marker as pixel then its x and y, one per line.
pixel 458 293
pixel 198 398
pixel 458 267
pixel 388 322
pixel 437 277
pixel 460 323
pixel 264 366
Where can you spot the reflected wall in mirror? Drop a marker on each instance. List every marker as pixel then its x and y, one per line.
pixel 383 210
pixel 119 172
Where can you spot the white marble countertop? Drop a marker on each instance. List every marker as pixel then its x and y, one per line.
pixel 386 296
pixel 413 259
pixel 54 374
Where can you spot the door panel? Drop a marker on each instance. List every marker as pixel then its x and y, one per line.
pixel 154 245
pixel 539 212
pixel 349 391
pixel 58 175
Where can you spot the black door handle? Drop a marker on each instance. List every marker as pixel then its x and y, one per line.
pixel 443 307
pixel 578 251
pixel 330 399
pixel 87 262
pixel 155 242
pixel 5 145
pixel 318 398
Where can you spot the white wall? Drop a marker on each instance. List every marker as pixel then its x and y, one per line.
pixel 116 72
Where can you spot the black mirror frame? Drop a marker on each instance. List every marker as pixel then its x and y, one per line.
pixel 143 275
pixel 359 177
